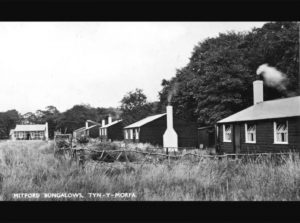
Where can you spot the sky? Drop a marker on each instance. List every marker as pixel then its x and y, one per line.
pixel 97 63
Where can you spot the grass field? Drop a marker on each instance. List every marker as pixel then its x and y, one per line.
pixel 30 167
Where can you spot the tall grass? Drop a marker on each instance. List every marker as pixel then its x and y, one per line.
pixel 31 167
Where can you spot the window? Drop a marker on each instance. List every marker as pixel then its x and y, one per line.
pixel 21 135
pixel 227 133
pixel 250 130
pixel 131 133
pixel 281 132
pixel 126 134
pixel 137 133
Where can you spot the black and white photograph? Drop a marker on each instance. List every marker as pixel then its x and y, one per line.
pixel 149 111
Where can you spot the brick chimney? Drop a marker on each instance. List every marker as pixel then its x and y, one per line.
pixel 46 131
pixel 109 119
pixel 258 91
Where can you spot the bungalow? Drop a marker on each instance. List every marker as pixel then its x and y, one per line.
pixel 158 130
pixel 267 126
pixel 88 130
pixel 30 132
pixel 111 131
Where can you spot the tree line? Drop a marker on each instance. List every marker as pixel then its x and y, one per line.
pixel 216 82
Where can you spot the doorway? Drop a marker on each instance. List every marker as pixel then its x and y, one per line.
pixel 28 136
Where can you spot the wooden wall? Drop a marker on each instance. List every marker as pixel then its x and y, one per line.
pixel 115 132
pixel 265 137
pixel 206 137
pixel 153 132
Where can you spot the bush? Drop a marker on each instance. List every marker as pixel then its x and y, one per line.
pixel 61 143
pixel 83 140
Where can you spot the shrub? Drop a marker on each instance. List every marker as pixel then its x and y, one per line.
pixel 83 140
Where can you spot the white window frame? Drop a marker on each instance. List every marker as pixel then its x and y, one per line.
pixel 131 133
pixel 246 134
pixel 137 133
pixel 224 138
pixel 275 132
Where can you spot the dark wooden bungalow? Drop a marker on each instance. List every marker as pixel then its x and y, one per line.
pixel 151 130
pixel 90 130
pixel 112 131
pixel 267 126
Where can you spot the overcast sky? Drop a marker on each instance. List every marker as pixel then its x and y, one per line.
pixel 96 63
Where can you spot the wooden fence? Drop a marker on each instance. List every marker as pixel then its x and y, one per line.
pixel 79 153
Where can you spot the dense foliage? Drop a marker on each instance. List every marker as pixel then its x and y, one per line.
pixel 65 122
pixel 134 106
pixel 8 121
pixel 217 81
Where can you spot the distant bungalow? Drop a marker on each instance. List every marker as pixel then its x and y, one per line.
pixel 88 130
pixel 163 130
pixel 30 132
pixel 111 131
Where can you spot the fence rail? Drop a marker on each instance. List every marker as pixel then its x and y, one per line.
pixel 79 153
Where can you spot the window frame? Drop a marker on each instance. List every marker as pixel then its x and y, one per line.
pixel 275 132
pixel 137 134
pixel 246 134
pixel 224 138
pixel 130 133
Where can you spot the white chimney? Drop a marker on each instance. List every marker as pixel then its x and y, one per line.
pixel 103 123
pixel 109 119
pixel 258 91
pixel 170 139
pixel 86 128
pixel 46 132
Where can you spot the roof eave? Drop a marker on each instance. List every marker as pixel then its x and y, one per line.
pixel 248 120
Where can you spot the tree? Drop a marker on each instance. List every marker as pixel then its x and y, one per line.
pixel 50 115
pixel 134 106
pixel 76 117
pixel 217 81
pixel 8 121
pixel 28 118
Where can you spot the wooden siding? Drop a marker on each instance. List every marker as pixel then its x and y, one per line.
pixel 264 137
pixel 206 137
pixel 153 132
pixel 115 132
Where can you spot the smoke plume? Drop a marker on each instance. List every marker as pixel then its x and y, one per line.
pixel 172 92
pixel 273 77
